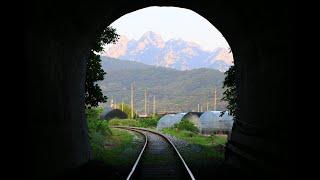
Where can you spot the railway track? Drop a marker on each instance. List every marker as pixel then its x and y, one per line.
pixel 158 159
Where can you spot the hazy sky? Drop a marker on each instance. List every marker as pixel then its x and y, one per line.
pixel 170 22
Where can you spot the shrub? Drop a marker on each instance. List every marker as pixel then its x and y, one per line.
pixel 186 125
pixel 98 126
pixel 93 113
pixel 98 131
pixel 148 122
pixel 141 122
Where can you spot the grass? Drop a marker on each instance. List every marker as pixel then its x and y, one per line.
pixel 114 147
pixel 124 122
pixel 121 148
pixel 203 154
pixel 207 146
pixel 195 138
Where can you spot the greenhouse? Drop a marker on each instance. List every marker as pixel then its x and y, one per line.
pixel 211 122
pixel 193 117
pixel 169 120
pixel 109 114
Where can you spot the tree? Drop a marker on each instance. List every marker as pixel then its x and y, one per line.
pixel 230 93
pixel 94 72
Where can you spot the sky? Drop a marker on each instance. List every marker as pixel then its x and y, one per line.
pixel 171 23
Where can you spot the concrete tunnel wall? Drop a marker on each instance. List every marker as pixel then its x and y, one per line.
pixel 59 35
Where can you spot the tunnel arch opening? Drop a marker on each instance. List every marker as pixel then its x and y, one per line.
pixel 191 27
pixel 218 47
pixel 256 36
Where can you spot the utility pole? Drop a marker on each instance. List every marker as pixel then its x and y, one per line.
pixel 121 104
pixel 145 101
pixel 198 107
pixel 154 106
pixel 131 100
pixel 134 99
pixel 207 104
pixel 111 102
pixel 215 100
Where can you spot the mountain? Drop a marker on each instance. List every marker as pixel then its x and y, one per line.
pixel 173 89
pixel 112 64
pixel 175 53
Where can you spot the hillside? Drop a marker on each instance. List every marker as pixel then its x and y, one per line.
pixel 112 64
pixel 173 89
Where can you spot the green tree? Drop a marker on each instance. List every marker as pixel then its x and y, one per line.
pixel 230 93
pixel 94 72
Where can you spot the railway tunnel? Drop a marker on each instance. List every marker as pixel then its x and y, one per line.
pixel 59 35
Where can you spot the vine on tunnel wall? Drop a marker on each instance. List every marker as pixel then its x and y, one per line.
pixel 230 94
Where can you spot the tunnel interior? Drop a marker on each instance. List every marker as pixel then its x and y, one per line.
pixel 60 34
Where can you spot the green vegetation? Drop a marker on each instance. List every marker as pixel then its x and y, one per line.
pixel 93 113
pixel 118 147
pixel 208 147
pixel 94 71
pixel 113 146
pixel 186 125
pixel 173 89
pixel 98 131
pixel 203 154
pixel 124 122
pixel 121 148
pixel 139 122
pixel 230 93
pixel 150 122
pixel 194 138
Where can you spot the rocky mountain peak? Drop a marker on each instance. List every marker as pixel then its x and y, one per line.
pixel 151 49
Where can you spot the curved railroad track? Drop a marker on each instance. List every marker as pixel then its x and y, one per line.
pixel 158 159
